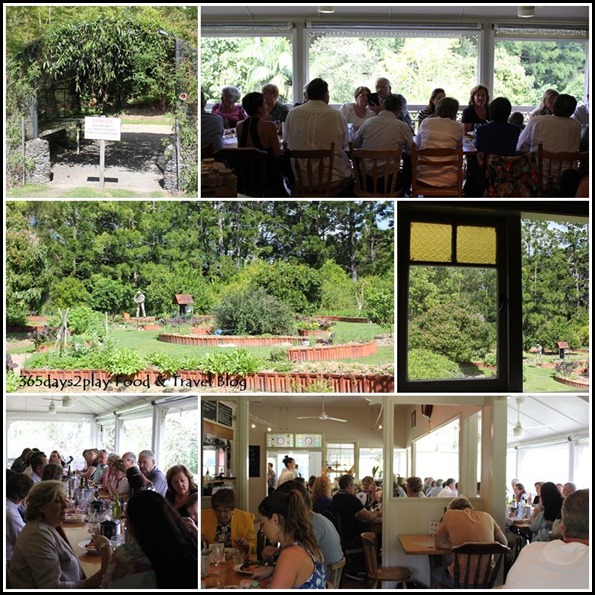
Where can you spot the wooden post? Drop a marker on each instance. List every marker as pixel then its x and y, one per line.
pixel 102 164
pixel 78 138
pixel 23 139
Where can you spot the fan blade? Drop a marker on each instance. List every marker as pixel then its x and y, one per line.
pixel 309 417
pixel 336 419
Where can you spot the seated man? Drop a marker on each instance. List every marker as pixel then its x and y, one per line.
pixel 349 509
pixel 498 137
pixel 148 467
pixel 211 127
pixel 224 523
pixel 557 133
pixel 314 125
pixel 558 564
pixel 461 524
pixel 384 89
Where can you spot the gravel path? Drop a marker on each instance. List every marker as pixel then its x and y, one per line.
pixel 130 163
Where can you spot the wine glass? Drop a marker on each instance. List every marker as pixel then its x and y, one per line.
pixel 217 554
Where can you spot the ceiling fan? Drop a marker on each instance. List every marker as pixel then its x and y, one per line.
pixel 323 416
pixel 518 429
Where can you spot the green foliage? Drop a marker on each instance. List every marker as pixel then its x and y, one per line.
pixel 279 353
pixel 380 302
pixel 490 359
pixel 166 364
pixel 337 291
pixel 568 368
pixel 253 312
pixel 455 330
pixel 69 292
pixel 16 315
pixel 426 365
pixel 11 381
pixel 110 295
pixel 85 321
pixel 297 285
pixel 124 362
pixel 283 367
pixel 238 363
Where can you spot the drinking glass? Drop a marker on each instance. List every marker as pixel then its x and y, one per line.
pixel 217 554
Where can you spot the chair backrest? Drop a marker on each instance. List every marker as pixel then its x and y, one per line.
pixel 250 167
pixel 476 565
pixel 337 572
pixel 437 159
pixel 511 177
pixel 375 172
pixel 313 171
pixel 370 553
pixel 552 164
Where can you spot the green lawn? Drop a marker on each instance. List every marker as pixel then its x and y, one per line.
pixel 538 379
pixel 43 191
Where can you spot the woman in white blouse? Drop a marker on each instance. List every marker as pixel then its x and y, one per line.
pixel 357 112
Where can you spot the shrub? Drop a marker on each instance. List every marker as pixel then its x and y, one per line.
pixel 11 382
pixel 69 293
pixel 278 353
pixel 44 336
pixel 85 321
pixel 380 304
pixel 454 330
pixel 110 295
pixel 124 362
pixel 16 315
pixel 426 365
pixel 253 312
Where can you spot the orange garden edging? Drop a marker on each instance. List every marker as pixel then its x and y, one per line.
pixel 86 380
pixel 217 340
pixel 331 352
pixel 574 383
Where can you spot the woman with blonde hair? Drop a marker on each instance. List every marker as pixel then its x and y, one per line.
pixel 545 106
pixel 321 494
pixel 284 518
pixel 43 557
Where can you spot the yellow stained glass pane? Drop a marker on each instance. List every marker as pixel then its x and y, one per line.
pixel 430 242
pixel 476 245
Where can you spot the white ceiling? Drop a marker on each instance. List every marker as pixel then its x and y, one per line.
pixel 92 404
pixel 542 416
pixel 555 12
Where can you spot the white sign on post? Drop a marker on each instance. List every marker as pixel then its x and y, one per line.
pixel 102 128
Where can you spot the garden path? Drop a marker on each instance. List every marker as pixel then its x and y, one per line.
pixel 132 161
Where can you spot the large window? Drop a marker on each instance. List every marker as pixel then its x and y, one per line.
pixel 340 457
pixel 525 68
pixel 370 462
pixel 179 444
pixel 416 62
pixel 437 453
pixel 246 61
pixel 135 434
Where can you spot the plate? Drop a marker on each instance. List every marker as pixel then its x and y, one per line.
pixel 249 570
pixel 92 551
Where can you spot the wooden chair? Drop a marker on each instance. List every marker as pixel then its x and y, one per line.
pixel 375 172
pixel 551 166
pixel 511 177
pixel 313 172
pixel 351 554
pixel 337 573
pixel 250 167
pixel 436 158
pixel 377 575
pixel 476 565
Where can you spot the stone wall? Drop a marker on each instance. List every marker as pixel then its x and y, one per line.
pixel 37 151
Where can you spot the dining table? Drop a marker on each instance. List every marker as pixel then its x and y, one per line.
pixel 225 578
pixel 77 533
pixel 423 545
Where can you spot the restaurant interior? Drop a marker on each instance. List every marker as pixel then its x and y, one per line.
pixel 300 29
pixel 481 441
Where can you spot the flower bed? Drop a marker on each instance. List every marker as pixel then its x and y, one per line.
pixel 346 319
pixel 218 340
pixel 259 382
pixel 574 382
pixel 332 352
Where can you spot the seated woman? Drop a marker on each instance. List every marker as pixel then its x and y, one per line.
pixel 90 455
pixel 56 458
pixel 547 512
pixel 357 112
pixel 180 484
pixel 476 113
pixel 498 137
pixel 227 109
pixel 284 518
pixel 374 495
pixel 461 524
pixel 545 106
pixel 321 494
pixel 415 487
pixel 119 483
pixel 161 552
pixel 43 557
pixel 276 111
pixel 225 523
pixel 256 131
pixel 430 109
pixel 441 132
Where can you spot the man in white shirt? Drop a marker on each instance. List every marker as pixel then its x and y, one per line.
pixel 559 564
pixel 557 133
pixel 314 125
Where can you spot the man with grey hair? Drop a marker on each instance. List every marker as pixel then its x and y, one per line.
pixel 147 466
pixel 561 564
pixel 384 89
pixel 569 488
pixel 129 458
